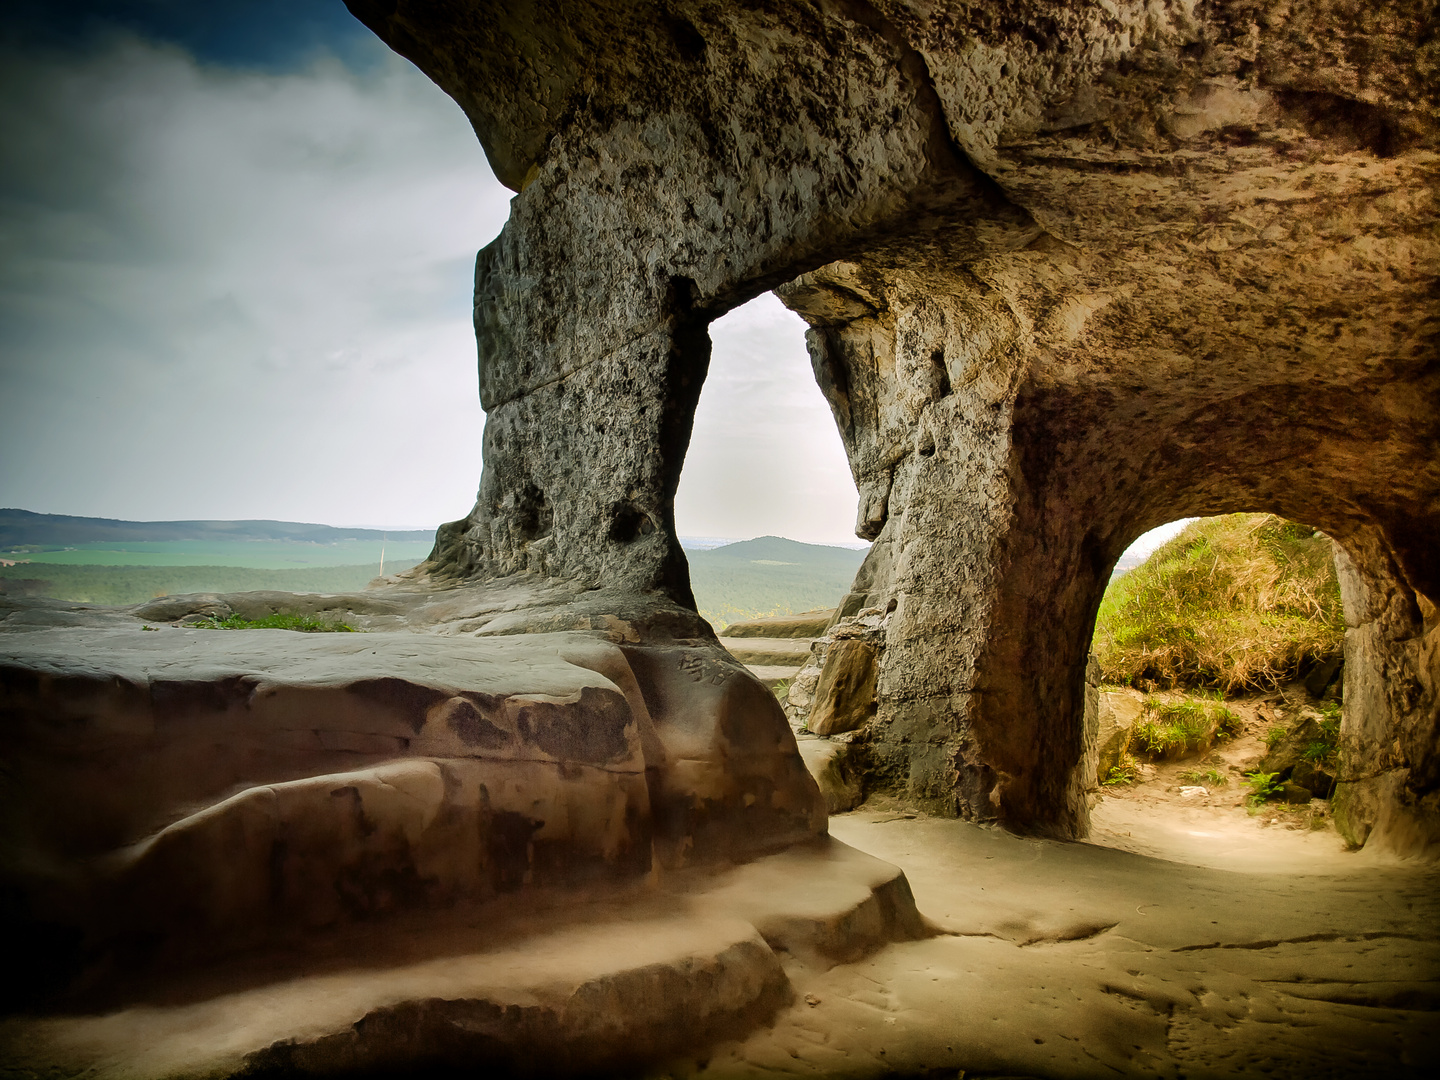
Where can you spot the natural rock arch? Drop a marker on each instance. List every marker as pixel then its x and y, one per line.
pixel 1072 270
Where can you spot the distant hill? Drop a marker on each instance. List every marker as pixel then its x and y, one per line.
pixel 20 528
pixel 107 561
pixel 770 575
pixel 1126 563
pixel 136 584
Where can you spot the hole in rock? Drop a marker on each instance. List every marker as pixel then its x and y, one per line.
pixel 1219 650
pixel 766 503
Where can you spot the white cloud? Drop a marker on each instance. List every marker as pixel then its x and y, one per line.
pixel 232 294
pixel 1151 540
pixel 237 294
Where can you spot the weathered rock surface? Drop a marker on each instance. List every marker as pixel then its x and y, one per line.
pixel 788 652
pixel 1075 960
pixel 845 693
pixel 1387 788
pixel 181 794
pixel 838 768
pixel 1072 269
pixel 776 647
pixel 1119 711
pixel 807 624
pixel 555 983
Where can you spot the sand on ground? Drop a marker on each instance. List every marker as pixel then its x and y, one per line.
pixel 1188 938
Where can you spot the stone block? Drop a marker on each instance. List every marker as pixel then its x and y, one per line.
pixel 845 694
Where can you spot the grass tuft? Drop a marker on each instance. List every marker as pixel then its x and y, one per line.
pixel 1235 603
pixel 1124 771
pixel 305 624
pixel 1178 726
pixel 1212 777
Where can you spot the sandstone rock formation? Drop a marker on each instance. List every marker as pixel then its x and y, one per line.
pixel 1072 269
pixel 176 795
pixel 1118 712
pixel 776 647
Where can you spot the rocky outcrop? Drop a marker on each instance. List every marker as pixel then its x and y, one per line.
pixel 776 647
pixel 175 794
pixel 804 626
pixel 1387 788
pixel 838 767
pixel 538 984
pixel 1072 270
pixel 1118 711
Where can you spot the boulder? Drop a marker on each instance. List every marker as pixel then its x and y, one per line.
pixel 1314 777
pixel 1294 794
pixel 845 693
pixel 188 793
pixel 1296 752
pixel 832 762
pixel 1119 711
pixel 807 624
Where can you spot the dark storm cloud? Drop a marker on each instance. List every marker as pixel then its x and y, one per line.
pixel 275 35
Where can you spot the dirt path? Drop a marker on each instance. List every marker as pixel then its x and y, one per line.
pixel 1189 939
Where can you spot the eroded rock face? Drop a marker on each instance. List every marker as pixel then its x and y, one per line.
pixel 1072 270
pixel 177 794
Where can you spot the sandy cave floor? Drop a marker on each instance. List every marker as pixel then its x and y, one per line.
pixel 1187 938
pixel 1164 814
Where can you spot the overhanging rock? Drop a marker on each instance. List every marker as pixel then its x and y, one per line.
pixel 1072 270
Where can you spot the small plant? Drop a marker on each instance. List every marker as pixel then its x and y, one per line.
pixel 1274 736
pixel 1263 785
pixel 305 624
pixel 1323 749
pixel 1212 777
pixel 1184 725
pixel 1124 771
pixel 1227 723
pixel 781 690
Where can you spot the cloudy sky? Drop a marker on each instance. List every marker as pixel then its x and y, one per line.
pixel 236 246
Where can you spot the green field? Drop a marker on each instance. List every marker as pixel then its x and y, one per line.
pixel 136 584
pixel 765 576
pixel 257 554
pixel 769 576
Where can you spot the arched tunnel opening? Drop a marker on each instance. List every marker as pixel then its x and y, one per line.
pixel 765 504
pixel 1215 698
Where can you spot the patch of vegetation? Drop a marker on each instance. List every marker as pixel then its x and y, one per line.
pixel 254 554
pixel 1188 724
pixel 1211 777
pixel 1274 736
pixel 1321 750
pixel 1263 786
pixel 1240 602
pixel 782 690
pixel 136 584
pixel 1124 771
pixel 305 624
pixel 1162 737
